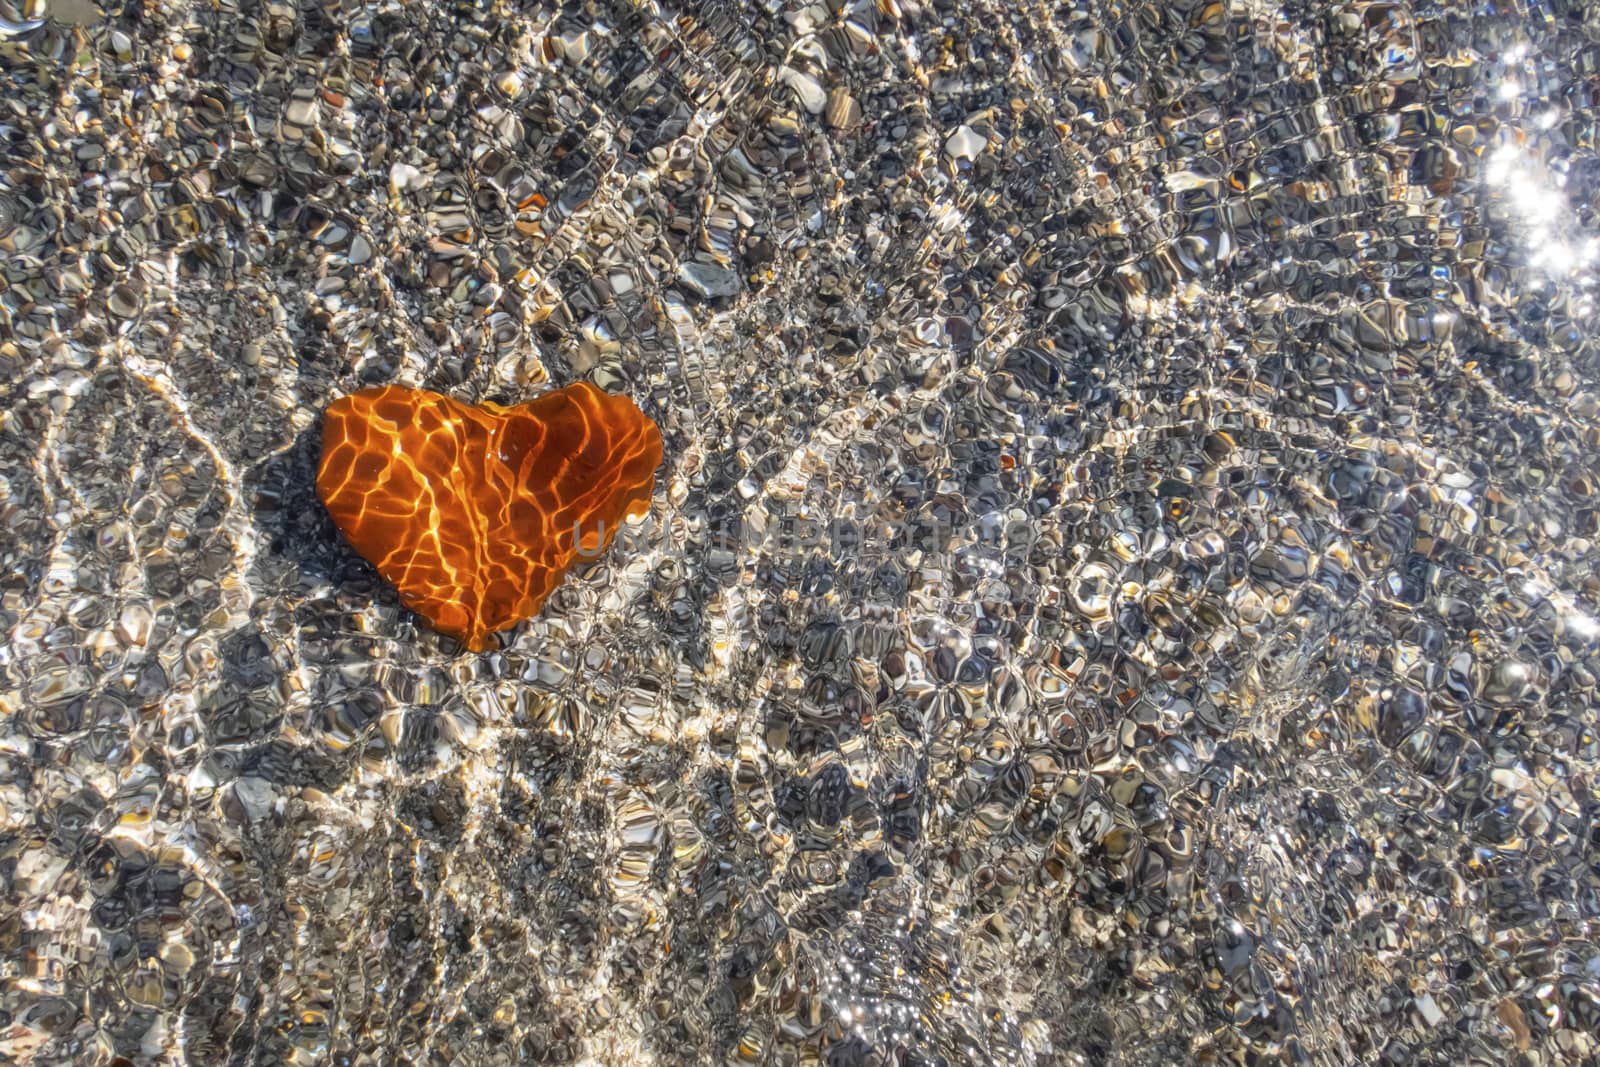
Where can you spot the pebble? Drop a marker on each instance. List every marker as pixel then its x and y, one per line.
pixel 843 111
pixel 806 89
pixel 707 280
pixel 404 177
pixel 965 143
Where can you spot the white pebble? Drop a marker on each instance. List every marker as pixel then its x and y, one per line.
pixel 965 143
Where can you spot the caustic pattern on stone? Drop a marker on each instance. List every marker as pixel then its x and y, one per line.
pixel 476 513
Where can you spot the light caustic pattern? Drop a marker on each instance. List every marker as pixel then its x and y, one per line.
pixel 475 513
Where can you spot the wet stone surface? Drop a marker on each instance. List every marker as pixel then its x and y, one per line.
pixel 1121 587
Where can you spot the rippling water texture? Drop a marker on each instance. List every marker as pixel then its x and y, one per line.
pixel 1121 588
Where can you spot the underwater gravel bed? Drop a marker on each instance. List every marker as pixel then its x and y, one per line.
pixel 1121 587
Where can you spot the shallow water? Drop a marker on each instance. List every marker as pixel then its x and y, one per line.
pixel 1121 587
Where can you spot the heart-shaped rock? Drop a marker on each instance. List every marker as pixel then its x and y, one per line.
pixel 475 513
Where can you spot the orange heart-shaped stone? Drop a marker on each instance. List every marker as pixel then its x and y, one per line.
pixel 475 513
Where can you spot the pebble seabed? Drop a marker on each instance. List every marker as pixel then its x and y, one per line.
pixel 1121 588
